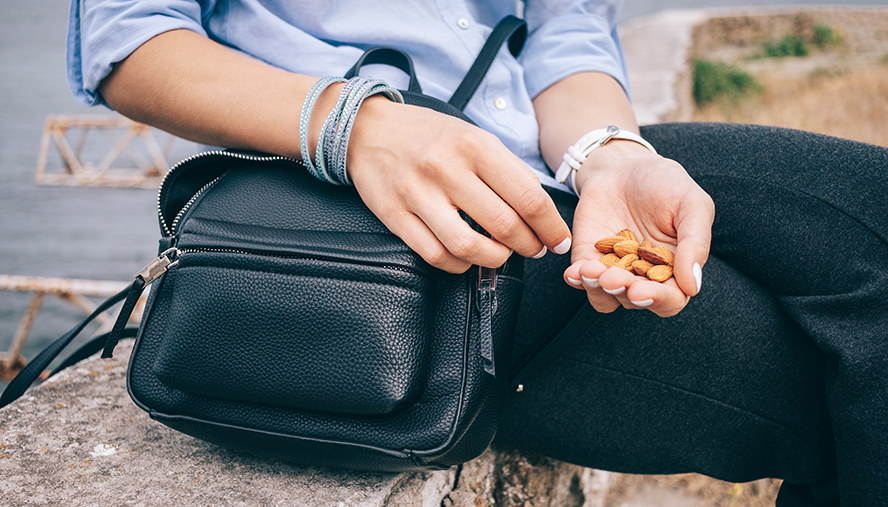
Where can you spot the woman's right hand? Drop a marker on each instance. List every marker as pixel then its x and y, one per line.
pixel 416 169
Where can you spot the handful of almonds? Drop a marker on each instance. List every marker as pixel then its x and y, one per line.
pixel 625 251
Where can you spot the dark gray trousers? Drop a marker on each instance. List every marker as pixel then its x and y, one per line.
pixel 778 368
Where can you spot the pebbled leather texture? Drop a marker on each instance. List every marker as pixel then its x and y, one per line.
pixel 296 325
pixel 355 342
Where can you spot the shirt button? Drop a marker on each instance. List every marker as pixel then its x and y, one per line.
pixel 499 103
pixel 463 23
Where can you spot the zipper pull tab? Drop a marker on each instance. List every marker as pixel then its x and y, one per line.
pixel 158 266
pixel 487 307
pixel 148 274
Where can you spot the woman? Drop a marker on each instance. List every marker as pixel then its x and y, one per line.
pixel 776 370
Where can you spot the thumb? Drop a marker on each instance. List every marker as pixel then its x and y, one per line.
pixel 694 230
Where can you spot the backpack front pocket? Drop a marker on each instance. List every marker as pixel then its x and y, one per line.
pixel 295 331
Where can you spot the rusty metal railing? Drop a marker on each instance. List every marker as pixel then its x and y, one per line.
pixel 73 291
pixel 150 163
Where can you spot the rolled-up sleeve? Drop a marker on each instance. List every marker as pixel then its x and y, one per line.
pixel 567 37
pixel 104 32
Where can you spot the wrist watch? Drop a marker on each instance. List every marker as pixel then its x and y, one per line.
pixel 590 142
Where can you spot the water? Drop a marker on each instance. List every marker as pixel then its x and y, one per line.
pixel 94 233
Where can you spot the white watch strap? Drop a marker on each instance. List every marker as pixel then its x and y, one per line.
pixel 590 142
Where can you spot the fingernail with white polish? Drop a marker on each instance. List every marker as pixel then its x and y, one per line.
pixel 615 292
pixel 575 283
pixel 562 247
pixel 542 253
pixel 698 275
pixel 591 282
pixel 645 303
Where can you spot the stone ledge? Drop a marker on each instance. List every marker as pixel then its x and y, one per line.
pixel 78 440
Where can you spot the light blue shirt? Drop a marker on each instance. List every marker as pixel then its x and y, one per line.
pixel 443 37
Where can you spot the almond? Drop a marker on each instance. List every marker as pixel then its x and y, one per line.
pixel 666 253
pixel 606 245
pixel 626 247
pixel 626 233
pixel 610 260
pixel 627 260
pixel 660 273
pixel 645 243
pixel 652 255
pixel 641 267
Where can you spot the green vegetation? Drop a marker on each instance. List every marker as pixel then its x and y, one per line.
pixel 827 37
pixel 822 37
pixel 789 45
pixel 713 80
pixel 884 59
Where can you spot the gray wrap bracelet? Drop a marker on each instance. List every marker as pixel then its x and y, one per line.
pixel 330 160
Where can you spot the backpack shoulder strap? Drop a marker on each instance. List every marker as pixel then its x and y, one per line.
pixel 35 367
pixel 509 28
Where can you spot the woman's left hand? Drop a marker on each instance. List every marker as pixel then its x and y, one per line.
pixel 624 186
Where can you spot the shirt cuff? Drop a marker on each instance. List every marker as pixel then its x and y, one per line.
pixel 567 45
pixel 105 36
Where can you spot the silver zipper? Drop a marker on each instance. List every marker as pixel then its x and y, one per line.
pixel 188 204
pixel 183 251
pixel 486 278
pixel 228 250
pixel 169 229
